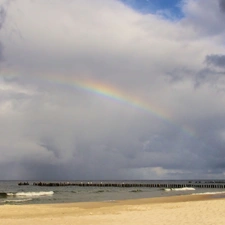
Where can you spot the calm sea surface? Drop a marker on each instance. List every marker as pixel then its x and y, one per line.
pixel 12 193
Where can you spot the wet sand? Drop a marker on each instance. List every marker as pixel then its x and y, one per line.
pixel 167 210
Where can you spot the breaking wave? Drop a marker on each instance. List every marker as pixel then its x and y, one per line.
pixel 31 194
pixel 16 200
pixel 180 189
pixel 209 193
pixel 26 194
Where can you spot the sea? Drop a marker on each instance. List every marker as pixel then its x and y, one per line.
pixel 13 194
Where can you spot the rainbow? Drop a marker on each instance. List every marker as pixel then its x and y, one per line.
pixel 109 91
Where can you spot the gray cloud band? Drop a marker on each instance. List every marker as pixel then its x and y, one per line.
pixel 216 60
pixel 222 5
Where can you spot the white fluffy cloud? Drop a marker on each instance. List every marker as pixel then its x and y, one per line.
pixel 49 124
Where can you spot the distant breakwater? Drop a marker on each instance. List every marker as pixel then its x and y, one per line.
pixel 126 185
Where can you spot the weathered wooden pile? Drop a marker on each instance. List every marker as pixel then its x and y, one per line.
pixel 122 184
pixel 23 183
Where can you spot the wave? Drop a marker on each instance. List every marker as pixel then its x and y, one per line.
pixel 31 194
pixel 17 200
pixel 99 191
pixel 209 193
pixel 137 190
pixel 180 189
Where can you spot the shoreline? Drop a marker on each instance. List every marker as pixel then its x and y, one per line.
pixel 135 201
pixel 134 211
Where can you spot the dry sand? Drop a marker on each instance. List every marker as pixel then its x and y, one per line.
pixel 171 210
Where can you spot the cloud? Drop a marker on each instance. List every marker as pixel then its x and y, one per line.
pixel 207 24
pixel 213 73
pixel 2 18
pixel 216 60
pixel 145 118
pixel 222 5
pixel 1 54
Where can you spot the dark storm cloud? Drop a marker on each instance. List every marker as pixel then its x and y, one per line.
pixel 211 137
pixel 216 60
pixel 211 77
pixel 212 73
pixel 222 5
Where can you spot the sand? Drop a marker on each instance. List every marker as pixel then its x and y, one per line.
pixel 170 210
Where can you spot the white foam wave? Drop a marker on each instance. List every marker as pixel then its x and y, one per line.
pixel 180 189
pixel 17 200
pixel 209 193
pixel 31 194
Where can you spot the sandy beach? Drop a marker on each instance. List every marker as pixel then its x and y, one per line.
pixel 170 210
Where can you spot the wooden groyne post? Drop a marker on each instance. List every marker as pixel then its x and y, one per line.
pixel 127 185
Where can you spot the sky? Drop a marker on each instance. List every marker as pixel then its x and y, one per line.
pixel 170 9
pixel 110 89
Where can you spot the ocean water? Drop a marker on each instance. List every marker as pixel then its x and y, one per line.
pixel 12 193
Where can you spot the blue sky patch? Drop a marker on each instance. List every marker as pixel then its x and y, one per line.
pixel 167 8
